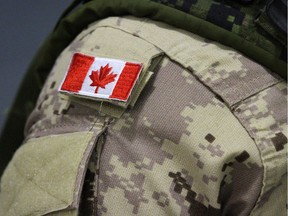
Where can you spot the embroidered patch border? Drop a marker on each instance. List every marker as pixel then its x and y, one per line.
pixel 100 78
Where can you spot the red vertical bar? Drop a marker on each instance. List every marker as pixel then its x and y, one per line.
pixel 77 71
pixel 126 81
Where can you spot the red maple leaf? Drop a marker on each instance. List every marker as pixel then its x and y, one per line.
pixel 102 78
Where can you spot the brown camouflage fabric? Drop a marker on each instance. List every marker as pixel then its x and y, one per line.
pixel 207 135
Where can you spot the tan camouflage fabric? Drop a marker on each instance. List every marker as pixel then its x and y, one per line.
pixel 206 136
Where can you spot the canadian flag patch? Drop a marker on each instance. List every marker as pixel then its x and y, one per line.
pixel 103 78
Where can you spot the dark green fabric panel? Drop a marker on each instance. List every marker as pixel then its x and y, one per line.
pixel 68 28
pixel 235 17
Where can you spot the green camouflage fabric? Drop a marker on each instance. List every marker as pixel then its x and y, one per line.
pixel 249 21
pixel 206 136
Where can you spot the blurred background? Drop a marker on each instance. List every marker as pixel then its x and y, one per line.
pixel 23 27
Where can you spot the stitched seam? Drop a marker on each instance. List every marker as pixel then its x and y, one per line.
pixel 178 61
pixel 252 135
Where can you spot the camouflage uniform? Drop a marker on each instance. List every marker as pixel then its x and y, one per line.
pixel 205 135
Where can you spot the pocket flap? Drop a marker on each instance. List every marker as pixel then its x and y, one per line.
pixel 46 174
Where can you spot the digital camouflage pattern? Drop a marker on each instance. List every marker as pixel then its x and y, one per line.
pixel 73 22
pixel 187 147
pixel 240 18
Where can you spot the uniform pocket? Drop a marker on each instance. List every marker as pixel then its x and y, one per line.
pixel 46 174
